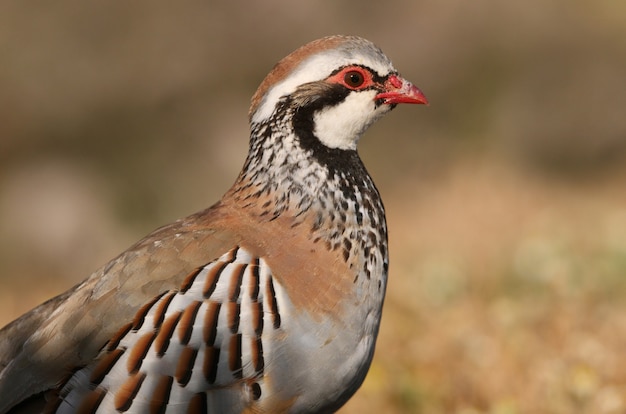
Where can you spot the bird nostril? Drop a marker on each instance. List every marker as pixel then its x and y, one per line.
pixel 395 81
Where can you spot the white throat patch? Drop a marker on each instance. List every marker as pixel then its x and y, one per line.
pixel 341 126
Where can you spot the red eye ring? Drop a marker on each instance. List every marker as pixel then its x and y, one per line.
pixel 354 79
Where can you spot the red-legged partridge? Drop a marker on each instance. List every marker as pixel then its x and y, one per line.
pixel 269 301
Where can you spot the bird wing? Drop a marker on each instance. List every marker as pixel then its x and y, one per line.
pixel 198 346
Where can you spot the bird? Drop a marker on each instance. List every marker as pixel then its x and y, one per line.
pixel 269 301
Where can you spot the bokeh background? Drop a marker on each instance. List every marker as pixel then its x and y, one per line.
pixel 506 197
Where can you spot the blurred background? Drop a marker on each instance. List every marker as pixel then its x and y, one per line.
pixel 506 197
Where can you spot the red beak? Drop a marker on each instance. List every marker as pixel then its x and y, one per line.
pixel 398 90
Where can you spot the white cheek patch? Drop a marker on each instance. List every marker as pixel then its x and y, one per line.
pixel 340 126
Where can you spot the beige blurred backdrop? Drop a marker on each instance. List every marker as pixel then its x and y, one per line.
pixel 506 197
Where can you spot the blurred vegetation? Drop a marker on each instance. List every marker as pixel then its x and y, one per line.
pixel 506 197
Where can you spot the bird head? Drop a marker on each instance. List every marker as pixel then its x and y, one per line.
pixel 334 88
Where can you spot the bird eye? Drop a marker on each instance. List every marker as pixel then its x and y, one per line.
pixel 353 79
